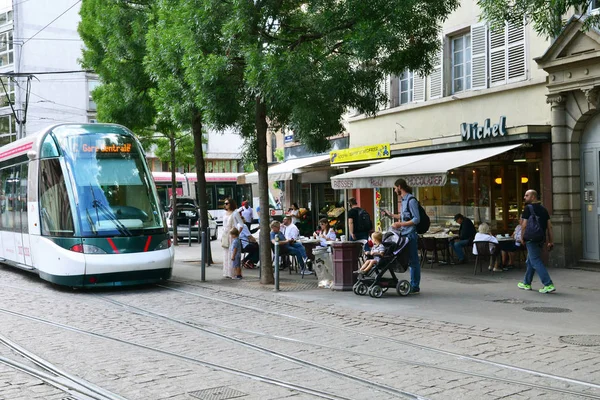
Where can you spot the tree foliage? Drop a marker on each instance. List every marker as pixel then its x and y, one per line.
pixel 546 16
pixel 184 149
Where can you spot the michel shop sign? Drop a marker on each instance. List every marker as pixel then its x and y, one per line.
pixel 474 131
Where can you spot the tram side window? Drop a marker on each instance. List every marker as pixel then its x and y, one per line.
pixel 55 209
pixel 15 198
pixel 8 199
pixel 23 198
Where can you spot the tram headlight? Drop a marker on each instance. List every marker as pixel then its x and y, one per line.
pixel 165 244
pixel 87 249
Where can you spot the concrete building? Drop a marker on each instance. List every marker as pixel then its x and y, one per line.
pixel 482 129
pixel 41 39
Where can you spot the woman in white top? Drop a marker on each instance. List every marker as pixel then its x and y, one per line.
pixel 231 219
pixel 327 233
pixel 294 213
pixel 485 235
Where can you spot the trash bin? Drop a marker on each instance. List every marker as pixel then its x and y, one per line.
pixel 323 266
pixel 345 262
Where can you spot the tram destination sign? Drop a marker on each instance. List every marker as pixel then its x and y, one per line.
pixel 473 131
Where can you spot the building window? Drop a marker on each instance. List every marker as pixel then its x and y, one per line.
pixel 594 7
pixel 6 18
pixel 92 84
pixel 461 63
pixel 406 87
pixel 9 94
pixel 8 129
pixel 6 49
pixel 273 147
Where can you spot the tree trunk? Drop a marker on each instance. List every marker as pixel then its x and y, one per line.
pixel 174 189
pixel 201 182
pixel 266 265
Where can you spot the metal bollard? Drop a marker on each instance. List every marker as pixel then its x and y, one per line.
pixel 276 266
pixel 189 232
pixel 203 254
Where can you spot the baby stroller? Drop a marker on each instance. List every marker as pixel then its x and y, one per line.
pixel 394 260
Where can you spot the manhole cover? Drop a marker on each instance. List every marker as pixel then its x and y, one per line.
pixel 581 340
pixel 547 309
pixel 218 393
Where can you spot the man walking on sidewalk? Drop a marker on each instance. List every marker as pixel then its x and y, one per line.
pixel 534 236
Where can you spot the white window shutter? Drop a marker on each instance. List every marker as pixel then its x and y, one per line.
pixel 385 88
pixel 479 68
pixel 418 88
pixel 436 79
pixel 517 60
pixel 497 56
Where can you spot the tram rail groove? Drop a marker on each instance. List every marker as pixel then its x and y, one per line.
pixel 194 325
pixel 385 338
pixel 234 371
pixel 54 376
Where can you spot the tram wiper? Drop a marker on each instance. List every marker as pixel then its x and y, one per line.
pixel 91 222
pixel 108 213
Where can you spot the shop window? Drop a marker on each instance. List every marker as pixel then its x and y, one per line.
pixel 461 63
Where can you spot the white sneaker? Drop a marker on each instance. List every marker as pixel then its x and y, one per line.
pixel 306 272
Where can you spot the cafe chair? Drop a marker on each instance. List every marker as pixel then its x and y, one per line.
pixel 433 246
pixel 484 253
pixel 362 257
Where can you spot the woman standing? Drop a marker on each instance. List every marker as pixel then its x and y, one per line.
pixel 294 213
pixel 231 219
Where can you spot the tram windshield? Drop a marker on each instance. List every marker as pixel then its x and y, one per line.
pixel 113 192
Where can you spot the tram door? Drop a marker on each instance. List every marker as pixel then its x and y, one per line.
pixel 25 253
pixel 591 207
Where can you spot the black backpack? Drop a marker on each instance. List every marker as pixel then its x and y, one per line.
pixel 533 230
pixel 424 221
pixel 364 221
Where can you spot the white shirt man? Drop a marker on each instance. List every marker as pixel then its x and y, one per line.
pixel 246 212
pixel 291 231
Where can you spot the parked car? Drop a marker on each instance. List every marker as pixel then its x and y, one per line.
pixel 189 212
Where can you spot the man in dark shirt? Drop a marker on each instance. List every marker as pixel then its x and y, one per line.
pixel 466 233
pixel 356 231
pixel 534 248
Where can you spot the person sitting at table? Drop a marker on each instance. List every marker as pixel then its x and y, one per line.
pixel 510 248
pixel 294 248
pixel 290 230
pixel 377 252
pixel 325 233
pixel 485 235
pixel 466 233
pixel 249 246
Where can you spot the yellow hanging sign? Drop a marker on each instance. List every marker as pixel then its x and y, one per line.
pixel 363 153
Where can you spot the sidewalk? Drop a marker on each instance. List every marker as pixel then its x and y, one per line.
pixel 450 293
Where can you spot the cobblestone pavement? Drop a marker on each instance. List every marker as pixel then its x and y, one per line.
pixel 186 338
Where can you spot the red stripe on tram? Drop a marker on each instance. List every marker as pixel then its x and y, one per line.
pixel 148 243
pixel 112 244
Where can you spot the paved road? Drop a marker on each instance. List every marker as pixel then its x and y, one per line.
pixel 187 339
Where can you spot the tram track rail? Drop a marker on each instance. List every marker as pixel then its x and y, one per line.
pixel 458 356
pixel 48 373
pixel 236 371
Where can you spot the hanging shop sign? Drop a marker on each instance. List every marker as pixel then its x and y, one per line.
pixel 473 131
pixel 363 153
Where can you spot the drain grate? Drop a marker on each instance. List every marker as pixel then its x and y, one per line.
pixel 217 393
pixel 581 340
pixel 547 309
pixel 513 301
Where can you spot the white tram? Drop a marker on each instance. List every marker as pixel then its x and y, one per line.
pixel 79 207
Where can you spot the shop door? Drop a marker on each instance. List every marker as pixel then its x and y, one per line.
pixel 591 210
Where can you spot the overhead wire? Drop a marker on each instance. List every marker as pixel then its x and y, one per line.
pixel 50 23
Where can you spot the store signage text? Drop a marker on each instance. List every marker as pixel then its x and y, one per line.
pixel 372 152
pixel 288 138
pixel 475 132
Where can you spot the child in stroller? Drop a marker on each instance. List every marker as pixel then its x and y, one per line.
pixel 374 256
pixel 394 259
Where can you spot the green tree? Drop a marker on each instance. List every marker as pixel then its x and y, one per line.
pixel 182 143
pixel 302 64
pixel 546 16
